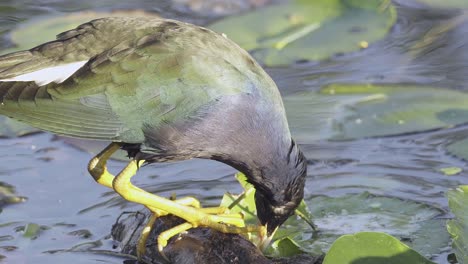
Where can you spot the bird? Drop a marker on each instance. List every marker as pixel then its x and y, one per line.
pixel 162 90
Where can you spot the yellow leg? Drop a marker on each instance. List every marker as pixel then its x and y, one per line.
pixel 193 202
pixel 97 166
pixel 141 246
pixel 187 208
pixel 195 217
pixel 187 201
pixel 166 235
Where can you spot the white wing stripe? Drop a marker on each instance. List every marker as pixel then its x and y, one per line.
pixel 44 76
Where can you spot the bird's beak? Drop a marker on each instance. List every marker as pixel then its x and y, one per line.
pixel 265 238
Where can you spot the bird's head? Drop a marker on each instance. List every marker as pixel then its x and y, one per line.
pixel 281 190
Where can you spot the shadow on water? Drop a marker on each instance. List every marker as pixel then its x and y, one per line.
pixel 426 46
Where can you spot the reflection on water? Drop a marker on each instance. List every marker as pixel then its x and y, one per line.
pixel 425 47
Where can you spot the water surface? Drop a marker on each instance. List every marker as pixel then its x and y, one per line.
pixel 76 214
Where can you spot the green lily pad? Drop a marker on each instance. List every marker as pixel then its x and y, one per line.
pixel 309 30
pixel 286 247
pixel 458 227
pixel 345 111
pixel 449 171
pixel 449 4
pixel 416 224
pixel 459 149
pixel 372 248
pixel 31 230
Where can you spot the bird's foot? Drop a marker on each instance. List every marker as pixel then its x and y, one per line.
pixel 218 218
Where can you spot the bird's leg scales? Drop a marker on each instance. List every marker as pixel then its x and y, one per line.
pixel 141 246
pixel 193 202
pixel 97 165
pixel 208 217
pixel 156 213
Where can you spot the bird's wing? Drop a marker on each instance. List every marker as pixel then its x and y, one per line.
pixel 125 88
pixel 26 77
pixel 73 46
pixel 88 118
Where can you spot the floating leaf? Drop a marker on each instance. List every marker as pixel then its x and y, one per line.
pixel 349 111
pixel 372 248
pixel 449 171
pixel 309 30
pixel 31 230
pixel 417 224
pixel 286 247
pixel 458 227
pixel 459 149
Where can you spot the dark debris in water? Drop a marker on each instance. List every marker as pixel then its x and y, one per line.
pixel 8 196
pixel 198 245
pixel 83 233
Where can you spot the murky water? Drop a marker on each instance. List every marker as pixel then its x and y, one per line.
pixel 76 214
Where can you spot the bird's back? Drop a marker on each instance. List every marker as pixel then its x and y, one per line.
pixel 131 75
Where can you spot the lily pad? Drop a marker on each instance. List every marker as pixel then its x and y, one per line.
pixel 372 248
pixel 458 227
pixel 31 230
pixel 286 247
pixel 350 111
pixel 450 171
pixel 416 224
pixel 459 149
pixel 309 30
